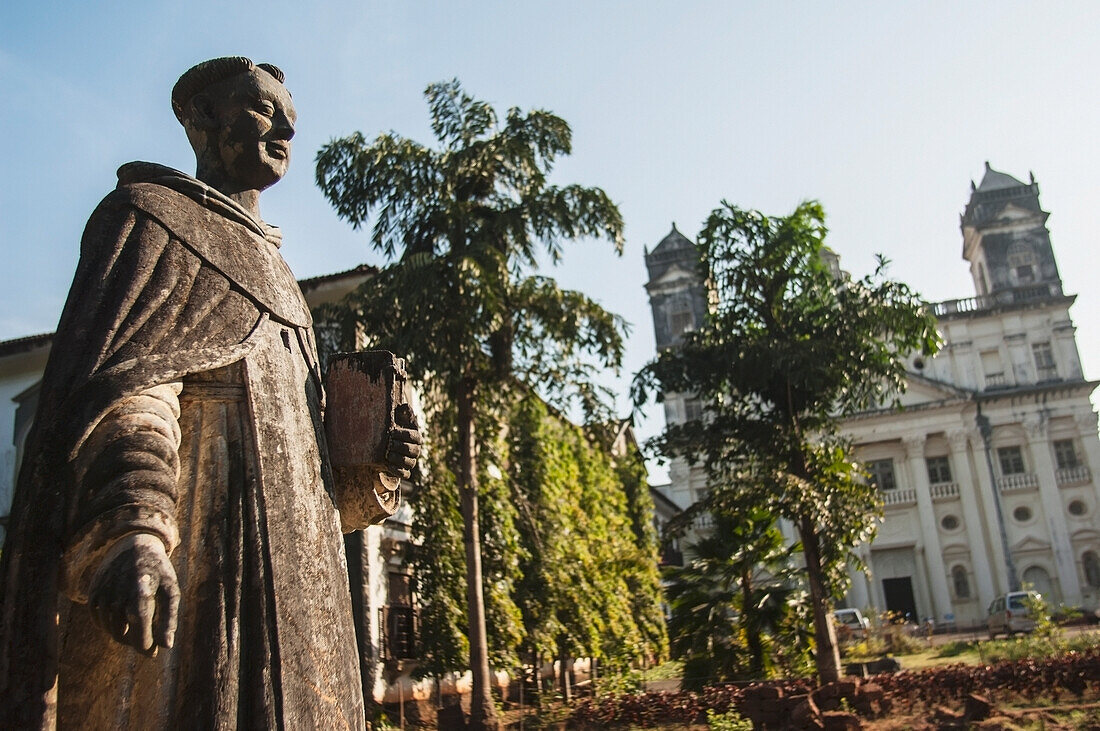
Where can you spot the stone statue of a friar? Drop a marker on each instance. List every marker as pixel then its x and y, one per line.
pixel 175 556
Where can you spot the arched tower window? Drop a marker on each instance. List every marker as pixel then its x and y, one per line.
pixel 1091 563
pixel 1023 263
pixel 961 582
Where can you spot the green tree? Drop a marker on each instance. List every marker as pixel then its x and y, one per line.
pixel 463 226
pixel 589 587
pixel 790 348
pixel 732 599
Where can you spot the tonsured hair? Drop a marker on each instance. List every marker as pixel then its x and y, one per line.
pixel 200 76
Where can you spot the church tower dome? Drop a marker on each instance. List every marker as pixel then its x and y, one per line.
pixel 1006 240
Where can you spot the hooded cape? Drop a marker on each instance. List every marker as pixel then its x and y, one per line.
pixel 175 280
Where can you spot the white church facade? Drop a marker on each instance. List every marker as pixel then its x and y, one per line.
pixel 987 474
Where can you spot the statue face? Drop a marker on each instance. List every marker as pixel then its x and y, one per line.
pixel 254 123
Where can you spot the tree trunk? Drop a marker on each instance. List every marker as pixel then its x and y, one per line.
pixel 565 664
pixel 751 625
pixel 827 656
pixel 482 709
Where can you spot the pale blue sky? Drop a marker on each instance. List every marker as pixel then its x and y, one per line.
pixel 883 111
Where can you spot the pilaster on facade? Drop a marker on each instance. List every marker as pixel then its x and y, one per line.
pixel 918 475
pixel 958 441
pixel 981 468
pixel 1053 509
pixel 1086 421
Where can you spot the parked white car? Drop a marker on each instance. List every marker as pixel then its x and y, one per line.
pixel 1010 613
pixel 851 622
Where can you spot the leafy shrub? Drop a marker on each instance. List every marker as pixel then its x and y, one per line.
pixel 628 683
pixel 728 721
pixel 1035 646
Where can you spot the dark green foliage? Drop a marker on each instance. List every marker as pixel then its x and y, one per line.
pixel 462 227
pixel 465 224
pixel 436 556
pixel 590 585
pixel 642 575
pixel 439 569
pixel 790 348
pixel 734 602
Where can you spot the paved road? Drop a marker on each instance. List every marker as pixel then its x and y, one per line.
pixel 983 634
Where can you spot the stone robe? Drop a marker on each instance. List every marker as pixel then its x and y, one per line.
pixel 183 399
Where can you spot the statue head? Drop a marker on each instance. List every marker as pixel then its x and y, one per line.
pixel 239 119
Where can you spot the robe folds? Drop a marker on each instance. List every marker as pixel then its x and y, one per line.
pixel 182 399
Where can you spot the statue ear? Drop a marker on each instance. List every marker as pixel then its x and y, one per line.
pixel 202 111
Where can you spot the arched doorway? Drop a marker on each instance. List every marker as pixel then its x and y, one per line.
pixel 1037 578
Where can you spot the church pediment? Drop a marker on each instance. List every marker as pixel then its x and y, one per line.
pixel 1031 543
pixel 923 391
pixel 675 274
pixel 1012 212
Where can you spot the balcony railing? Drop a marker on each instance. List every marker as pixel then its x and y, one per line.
pixel 1017 295
pixel 1069 476
pixel 1021 481
pixel 898 497
pixel 1046 373
pixel 944 490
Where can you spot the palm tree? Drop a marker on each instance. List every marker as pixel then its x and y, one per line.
pixel 731 599
pixel 463 227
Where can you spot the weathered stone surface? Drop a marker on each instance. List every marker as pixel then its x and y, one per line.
pixel 366 393
pixel 174 558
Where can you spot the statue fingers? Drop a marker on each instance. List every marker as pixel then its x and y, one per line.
pixel 168 602
pixel 139 617
pixel 399 464
pixel 410 437
pixel 402 449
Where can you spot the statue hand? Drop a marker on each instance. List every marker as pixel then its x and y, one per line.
pixel 135 595
pixel 404 444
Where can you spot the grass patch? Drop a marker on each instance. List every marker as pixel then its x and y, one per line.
pixel 665 671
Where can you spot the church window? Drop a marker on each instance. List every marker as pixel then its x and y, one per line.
pixel 680 318
pixel 1077 507
pixel 1065 454
pixel 1021 260
pixel 882 473
pixel 1090 562
pixel 693 409
pixel 1022 514
pixel 992 369
pixel 950 522
pixel 939 470
pixel 1044 361
pixel 1011 459
pixel 961 582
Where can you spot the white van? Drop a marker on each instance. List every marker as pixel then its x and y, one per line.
pixel 1010 613
pixel 851 622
